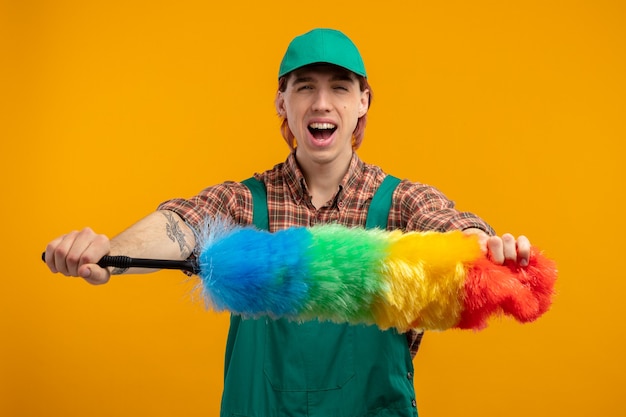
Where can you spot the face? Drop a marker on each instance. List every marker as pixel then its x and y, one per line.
pixel 322 105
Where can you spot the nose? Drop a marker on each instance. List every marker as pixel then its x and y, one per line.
pixel 322 101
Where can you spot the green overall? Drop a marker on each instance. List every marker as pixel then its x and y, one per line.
pixel 279 368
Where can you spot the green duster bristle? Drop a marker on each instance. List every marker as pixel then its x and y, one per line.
pixel 347 277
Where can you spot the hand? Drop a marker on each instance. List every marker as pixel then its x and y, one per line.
pixel 505 249
pixel 508 249
pixel 76 253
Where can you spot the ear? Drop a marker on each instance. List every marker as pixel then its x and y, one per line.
pixel 364 102
pixel 279 102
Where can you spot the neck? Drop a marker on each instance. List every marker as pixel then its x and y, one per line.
pixel 323 179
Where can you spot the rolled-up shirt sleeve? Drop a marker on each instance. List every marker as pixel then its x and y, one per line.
pixel 230 200
pixel 422 207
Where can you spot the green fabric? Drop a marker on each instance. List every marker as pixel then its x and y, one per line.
pixel 260 214
pixel 381 203
pixel 276 368
pixel 322 46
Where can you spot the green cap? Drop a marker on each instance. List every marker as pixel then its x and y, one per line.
pixel 319 46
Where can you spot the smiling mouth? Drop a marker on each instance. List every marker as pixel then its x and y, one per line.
pixel 322 131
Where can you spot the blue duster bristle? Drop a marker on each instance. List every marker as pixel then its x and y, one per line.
pixel 268 275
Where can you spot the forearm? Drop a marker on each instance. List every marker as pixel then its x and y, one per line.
pixel 160 235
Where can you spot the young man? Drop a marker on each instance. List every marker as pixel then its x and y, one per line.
pixel 276 367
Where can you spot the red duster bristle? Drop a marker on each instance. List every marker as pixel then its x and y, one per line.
pixel 524 293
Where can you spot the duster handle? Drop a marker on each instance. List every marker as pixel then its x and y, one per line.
pixel 128 262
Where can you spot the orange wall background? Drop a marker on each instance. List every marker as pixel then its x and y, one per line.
pixel 514 109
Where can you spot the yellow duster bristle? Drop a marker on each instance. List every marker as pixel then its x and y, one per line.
pixel 426 273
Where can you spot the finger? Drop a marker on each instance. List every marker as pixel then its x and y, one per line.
pixel 49 254
pixel 523 250
pixel 509 247
pixel 96 247
pixel 78 251
pixel 61 251
pixel 495 249
pixel 94 274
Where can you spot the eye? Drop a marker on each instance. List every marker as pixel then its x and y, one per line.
pixel 304 87
pixel 341 87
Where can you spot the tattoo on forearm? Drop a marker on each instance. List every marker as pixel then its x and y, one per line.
pixel 176 235
pixel 118 271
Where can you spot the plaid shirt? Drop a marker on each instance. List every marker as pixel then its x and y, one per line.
pixel 415 207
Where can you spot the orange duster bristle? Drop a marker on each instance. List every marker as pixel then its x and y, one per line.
pixel 523 293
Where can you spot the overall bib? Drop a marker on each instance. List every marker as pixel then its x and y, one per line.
pixel 279 368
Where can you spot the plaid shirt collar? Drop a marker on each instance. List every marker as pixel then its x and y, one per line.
pixel 297 185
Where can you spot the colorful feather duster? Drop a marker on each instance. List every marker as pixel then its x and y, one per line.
pixel 424 280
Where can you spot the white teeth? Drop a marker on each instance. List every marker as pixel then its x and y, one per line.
pixel 322 126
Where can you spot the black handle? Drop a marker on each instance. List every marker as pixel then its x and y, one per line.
pixel 128 262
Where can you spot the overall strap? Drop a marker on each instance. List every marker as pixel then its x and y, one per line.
pixel 260 215
pixel 378 212
pixel 376 216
